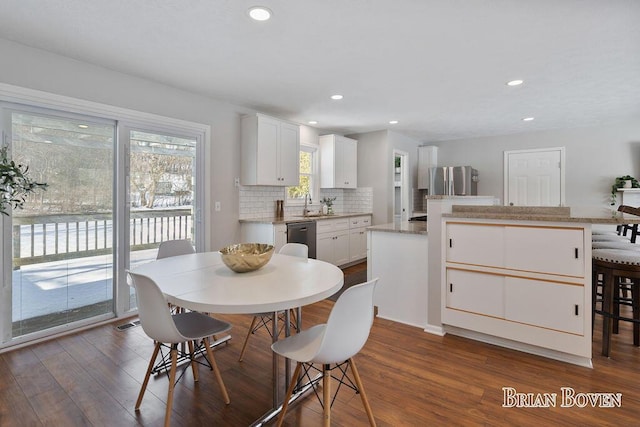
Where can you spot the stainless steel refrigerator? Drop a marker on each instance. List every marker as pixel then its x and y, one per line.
pixel 453 181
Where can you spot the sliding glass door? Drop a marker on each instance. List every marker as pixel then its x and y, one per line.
pixel 161 183
pixel 62 241
pixel 110 185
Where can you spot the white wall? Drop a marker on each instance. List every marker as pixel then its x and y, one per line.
pixel 594 157
pixel 36 69
pixel 373 156
pixel 376 168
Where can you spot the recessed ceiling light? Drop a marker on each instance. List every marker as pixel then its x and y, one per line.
pixel 259 13
pixel 515 82
pixel 528 119
pixel 47 141
pixel 83 126
pixel 336 97
pixel 393 122
pixel 313 122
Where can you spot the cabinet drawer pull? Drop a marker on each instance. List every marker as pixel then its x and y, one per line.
pixel 576 309
pixel 576 253
pixel 450 287
pixel 450 243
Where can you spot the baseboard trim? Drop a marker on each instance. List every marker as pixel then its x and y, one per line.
pixel 519 346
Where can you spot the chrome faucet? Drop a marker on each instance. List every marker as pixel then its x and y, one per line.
pixel 305 211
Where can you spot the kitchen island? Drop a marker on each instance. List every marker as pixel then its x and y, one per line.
pixel 404 256
pixel 521 277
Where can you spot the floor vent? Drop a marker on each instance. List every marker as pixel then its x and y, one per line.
pixel 128 325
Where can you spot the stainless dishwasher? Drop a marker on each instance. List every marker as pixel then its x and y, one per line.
pixel 303 232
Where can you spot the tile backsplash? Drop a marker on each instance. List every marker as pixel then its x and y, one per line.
pixel 260 201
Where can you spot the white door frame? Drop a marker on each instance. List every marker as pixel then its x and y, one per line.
pixel 537 150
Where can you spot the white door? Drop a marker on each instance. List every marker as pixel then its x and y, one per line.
pixel 400 190
pixel 534 177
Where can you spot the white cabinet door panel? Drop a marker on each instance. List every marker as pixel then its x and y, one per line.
pixel 475 292
pixel 324 247
pixel 475 244
pixel 341 247
pixel 279 236
pixel 546 250
pixel 267 157
pixel 546 304
pixel 357 244
pixel 289 154
pixel 349 163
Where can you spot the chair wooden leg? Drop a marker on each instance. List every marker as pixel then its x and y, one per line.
pixel 635 298
pixel 285 402
pixel 607 308
pixel 246 340
pixel 326 396
pixel 363 396
pixel 616 304
pixel 172 384
pixel 156 349
pixel 216 371
pixel 194 364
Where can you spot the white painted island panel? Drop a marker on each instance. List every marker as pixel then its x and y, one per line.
pixel 399 260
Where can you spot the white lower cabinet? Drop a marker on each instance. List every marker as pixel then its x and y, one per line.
pixel 338 240
pixel 279 236
pixel 332 240
pixel 534 289
pixel 271 234
pixel 357 244
pixel 358 237
pixel 342 240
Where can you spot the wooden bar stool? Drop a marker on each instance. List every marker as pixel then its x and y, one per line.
pixel 613 264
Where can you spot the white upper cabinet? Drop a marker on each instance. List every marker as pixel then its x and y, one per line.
pixel 270 151
pixel 427 158
pixel 338 162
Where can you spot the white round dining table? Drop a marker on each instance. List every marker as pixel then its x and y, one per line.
pixel 202 282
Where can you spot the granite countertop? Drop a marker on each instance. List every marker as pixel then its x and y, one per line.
pixel 592 215
pixel 416 227
pixel 299 218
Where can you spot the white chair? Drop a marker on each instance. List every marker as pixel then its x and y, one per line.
pixel 171 248
pixel 174 248
pixel 169 330
pixel 335 342
pixel 262 320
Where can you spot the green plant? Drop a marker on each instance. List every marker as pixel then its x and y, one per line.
pixel 397 162
pixel 619 183
pixel 15 183
pixel 328 201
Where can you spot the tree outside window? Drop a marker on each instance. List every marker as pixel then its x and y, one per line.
pixel 307 177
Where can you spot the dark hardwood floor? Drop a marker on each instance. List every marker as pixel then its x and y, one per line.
pixel 412 378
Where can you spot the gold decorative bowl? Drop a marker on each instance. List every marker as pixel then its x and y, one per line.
pixel 244 257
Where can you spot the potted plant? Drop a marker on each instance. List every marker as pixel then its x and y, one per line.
pixel 15 183
pixel 626 181
pixel 328 202
pixel 397 163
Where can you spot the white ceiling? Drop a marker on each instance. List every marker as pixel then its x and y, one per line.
pixel 437 66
